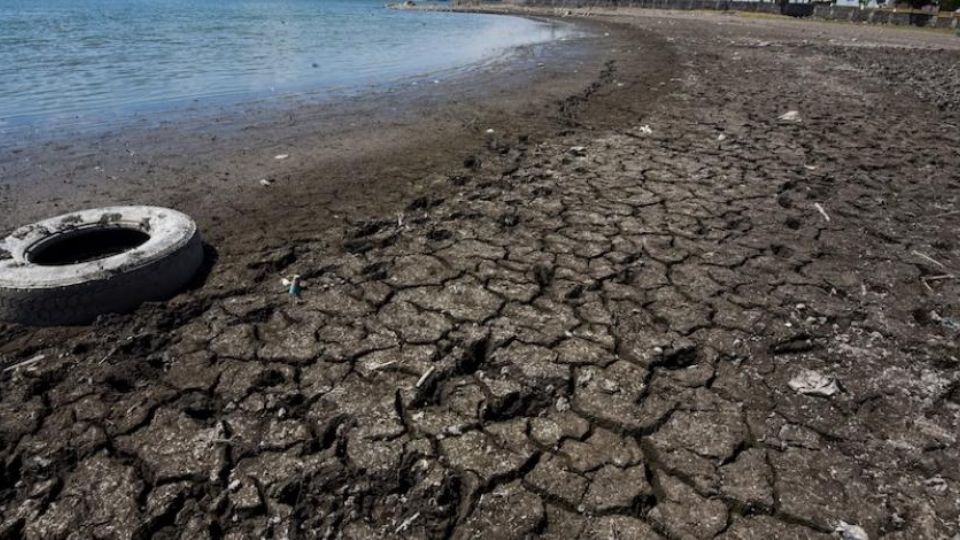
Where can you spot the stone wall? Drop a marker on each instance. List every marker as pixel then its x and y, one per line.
pixel 762 7
pixel 821 11
pixel 878 16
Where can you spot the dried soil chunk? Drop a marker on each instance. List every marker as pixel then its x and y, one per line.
pixel 685 514
pixel 508 511
pixel 613 488
pixel 748 479
pixel 475 452
pixel 99 498
pixel 175 446
pixel 552 478
pixel 606 527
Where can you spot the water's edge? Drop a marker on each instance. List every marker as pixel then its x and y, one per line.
pixel 19 129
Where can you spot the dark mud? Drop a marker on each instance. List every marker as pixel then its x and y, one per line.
pixel 588 334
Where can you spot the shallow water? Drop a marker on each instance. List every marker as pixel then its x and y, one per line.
pixel 66 62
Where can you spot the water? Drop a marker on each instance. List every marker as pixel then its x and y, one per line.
pixel 74 61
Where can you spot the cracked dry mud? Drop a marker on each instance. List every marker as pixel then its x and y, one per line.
pixel 570 342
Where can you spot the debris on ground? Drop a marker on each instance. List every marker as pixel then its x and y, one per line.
pixel 293 286
pixel 814 383
pixel 281 156
pixel 426 375
pixel 929 259
pixel 790 116
pixel 823 212
pixel 25 363
pixel 949 323
pixel 851 532
pixel 406 523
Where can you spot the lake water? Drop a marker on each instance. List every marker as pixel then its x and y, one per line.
pixel 71 61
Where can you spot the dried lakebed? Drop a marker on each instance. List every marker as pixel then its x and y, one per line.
pixel 585 336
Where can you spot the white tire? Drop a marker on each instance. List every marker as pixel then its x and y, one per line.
pixel 72 268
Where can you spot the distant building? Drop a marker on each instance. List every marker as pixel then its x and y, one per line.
pixel 855 3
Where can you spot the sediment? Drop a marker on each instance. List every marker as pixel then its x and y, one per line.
pixel 588 333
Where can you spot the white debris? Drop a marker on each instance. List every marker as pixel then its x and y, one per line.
pixel 425 376
pixel 851 532
pixel 814 383
pixel 823 212
pixel 387 364
pixel 490 131
pixel 790 116
pixel 646 130
pixel 721 137
pixel 937 484
pixel 281 156
pixel 265 182
pixel 610 387
pixel 25 363
pixel 578 150
pixel 406 523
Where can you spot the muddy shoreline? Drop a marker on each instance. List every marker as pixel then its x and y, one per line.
pixel 660 309
pixel 350 158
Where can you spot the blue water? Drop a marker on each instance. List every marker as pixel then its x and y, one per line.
pixel 71 60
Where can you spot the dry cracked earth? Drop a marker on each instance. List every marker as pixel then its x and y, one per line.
pixel 589 336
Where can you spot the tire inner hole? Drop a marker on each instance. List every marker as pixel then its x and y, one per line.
pixel 87 245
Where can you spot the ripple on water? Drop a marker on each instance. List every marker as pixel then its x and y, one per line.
pixel 69 59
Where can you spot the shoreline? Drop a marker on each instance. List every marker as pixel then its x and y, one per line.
pixel 210 165
pixel 192 111
pixel 706 290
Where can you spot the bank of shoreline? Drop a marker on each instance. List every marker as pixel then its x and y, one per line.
pixel 209 163
pixel 670 311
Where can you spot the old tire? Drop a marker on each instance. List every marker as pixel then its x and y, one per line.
pixel 70 269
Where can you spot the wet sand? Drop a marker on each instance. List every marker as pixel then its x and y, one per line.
pixel 603 326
